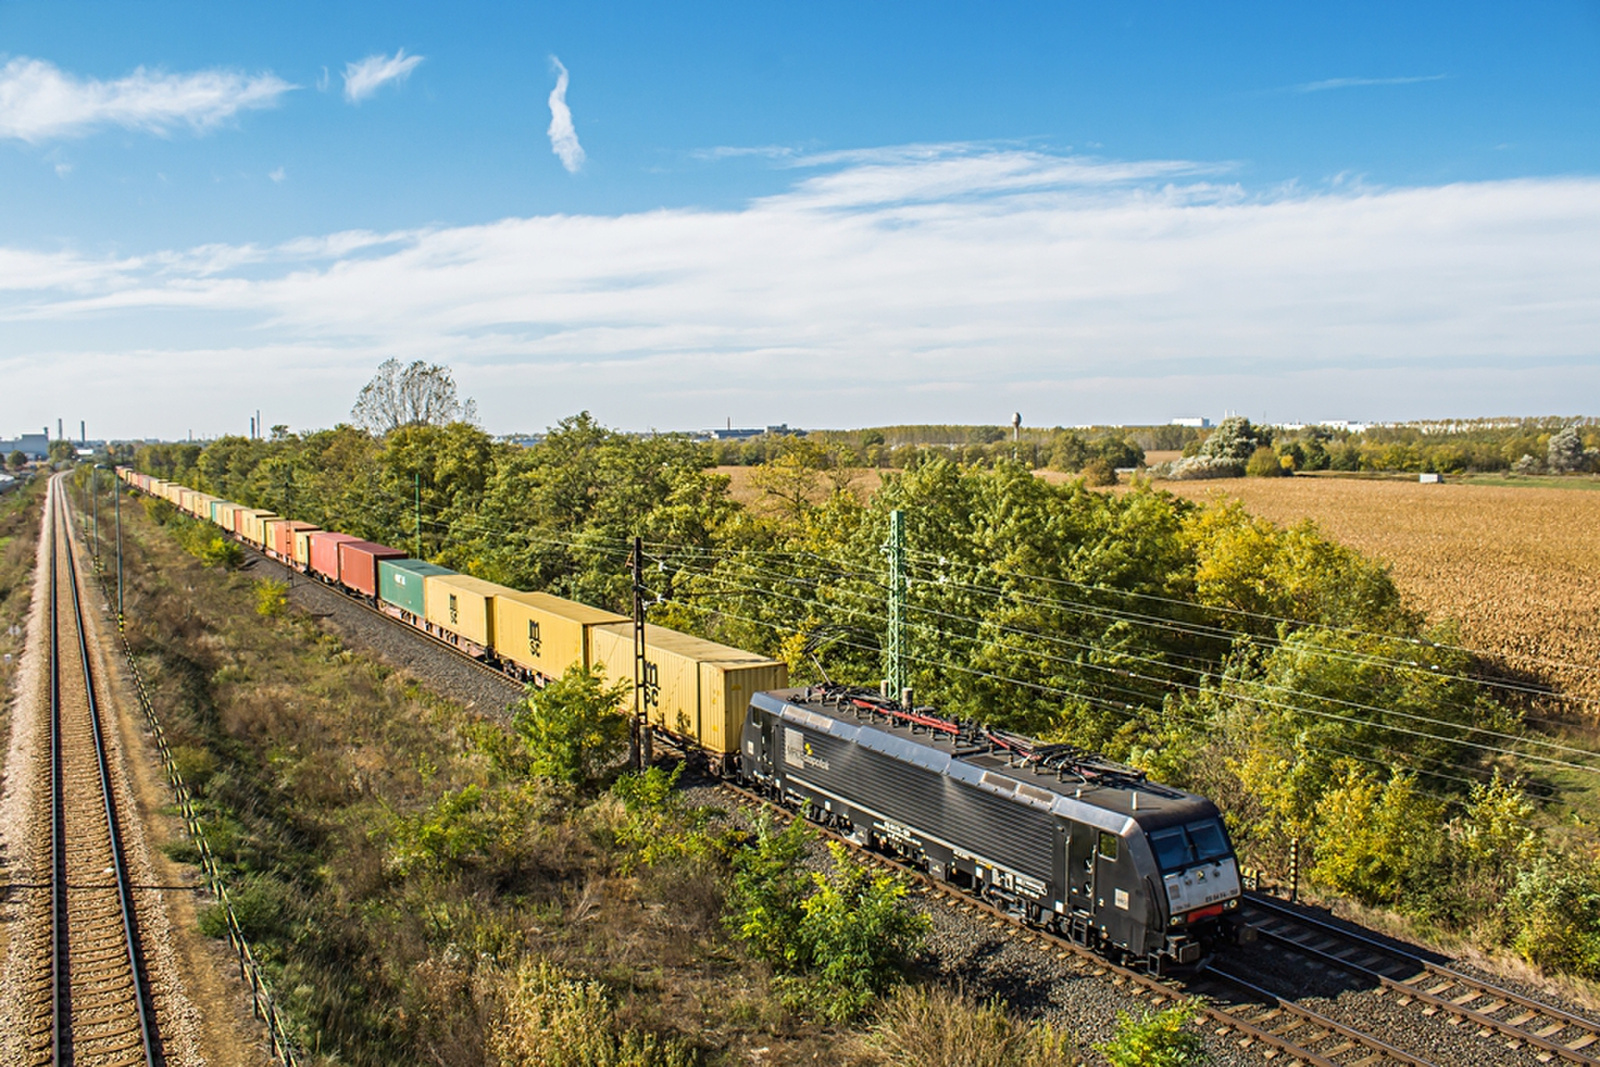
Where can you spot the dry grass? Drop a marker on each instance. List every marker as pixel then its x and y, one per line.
pixel 1519 567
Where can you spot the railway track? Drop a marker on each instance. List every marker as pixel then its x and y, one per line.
pixel 1493 1011
pixel 89 988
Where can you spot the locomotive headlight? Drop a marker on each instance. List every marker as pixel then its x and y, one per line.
pixel 1177 920
pixel 1230 905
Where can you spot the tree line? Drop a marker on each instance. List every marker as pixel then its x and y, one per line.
pixel 1270 668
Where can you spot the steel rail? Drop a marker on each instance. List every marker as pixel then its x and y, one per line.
pixel 60 973
pixel 1372 1046
pixel 1409 988
pixel 113 829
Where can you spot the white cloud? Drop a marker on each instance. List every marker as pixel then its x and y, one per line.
pixel 1355 83
pixel 278 174
pixel 40 102
pixel 563 137
pixel 937 285
pixel 364 78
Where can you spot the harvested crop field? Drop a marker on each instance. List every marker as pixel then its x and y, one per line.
pixel 1519 567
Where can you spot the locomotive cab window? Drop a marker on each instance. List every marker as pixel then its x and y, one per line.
pixel 1108 846
pixel 1180 846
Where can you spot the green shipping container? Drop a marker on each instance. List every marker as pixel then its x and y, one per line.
pixel 400 583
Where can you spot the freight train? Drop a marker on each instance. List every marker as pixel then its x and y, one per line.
pixel 1058 836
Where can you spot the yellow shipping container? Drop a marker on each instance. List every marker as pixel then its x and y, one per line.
pixel 694 688
pixel 462 606
pixel 545 633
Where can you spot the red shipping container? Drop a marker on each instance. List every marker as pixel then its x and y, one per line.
pixel 283 537
pixel 325 553
pixel 358 563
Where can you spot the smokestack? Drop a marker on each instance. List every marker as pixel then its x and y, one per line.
pixel 83 432
pixel 259 432
pixel 61 435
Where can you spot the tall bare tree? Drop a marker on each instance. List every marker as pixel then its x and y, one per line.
pixel 418 394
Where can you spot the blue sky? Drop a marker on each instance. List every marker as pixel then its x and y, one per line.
pixel 829 214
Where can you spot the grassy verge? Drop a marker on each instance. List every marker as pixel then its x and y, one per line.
pixel 413 897
pixel 19 539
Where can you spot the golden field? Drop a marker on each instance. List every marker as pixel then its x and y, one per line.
pixel 1518 567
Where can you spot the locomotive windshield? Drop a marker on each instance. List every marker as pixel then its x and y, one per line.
pixel 1181 846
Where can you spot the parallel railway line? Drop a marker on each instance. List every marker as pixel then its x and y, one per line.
pixel 89 985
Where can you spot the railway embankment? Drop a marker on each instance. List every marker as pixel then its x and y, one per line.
pixel 393 873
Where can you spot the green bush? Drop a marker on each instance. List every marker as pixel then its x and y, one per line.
pixel 659 826
pixel 574 729
pixel 1555 906
pixel 467 827
pixel 1264 463
pixel 768 885
pixel 856 933
pixel 272 597
pixel 1159 1040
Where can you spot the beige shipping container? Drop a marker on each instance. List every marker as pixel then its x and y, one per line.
pixel 462 605
pixel 545 633
pixel 697 689
pixel 253 525
pixel 302 547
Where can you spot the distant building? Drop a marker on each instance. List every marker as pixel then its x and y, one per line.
pixel 32 445
pixel 1193 421
pixel 1429 478
pixel 731 434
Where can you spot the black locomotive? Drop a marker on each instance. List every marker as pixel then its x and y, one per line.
pixel 1057 835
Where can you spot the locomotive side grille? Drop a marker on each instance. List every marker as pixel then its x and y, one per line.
pixel 1015 835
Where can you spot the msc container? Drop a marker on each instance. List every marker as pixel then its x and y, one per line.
pixel 280 537
pixel 324 556
pixel 461 608
pixel 358 564
pixel 546 634
pixel 400 583
pixel 697 689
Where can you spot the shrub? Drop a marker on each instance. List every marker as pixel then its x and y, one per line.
pixel 937 1027
pixel 1264 463
pixel 548 1019
pixel 1373 838
pixel 1555 906
pixel 574 728
pixel 856 932
pixel 768 886
pixel 1159 1040
pixel 1099 471
pixel 659 826
pixel 467 827
pixel 272 596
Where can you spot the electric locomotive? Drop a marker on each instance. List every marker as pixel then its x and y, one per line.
pixel 1059 836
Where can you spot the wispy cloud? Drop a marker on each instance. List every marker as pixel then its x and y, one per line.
pixel 278 174
pixel 1356 83
pixel 563 137
pixel 954 285
pixel 41 102
pixel 365 77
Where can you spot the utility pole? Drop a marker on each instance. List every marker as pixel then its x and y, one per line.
pixel 417 476
pixel 641 745
pixel 895 652
pixel 116 494
pixel 94 504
